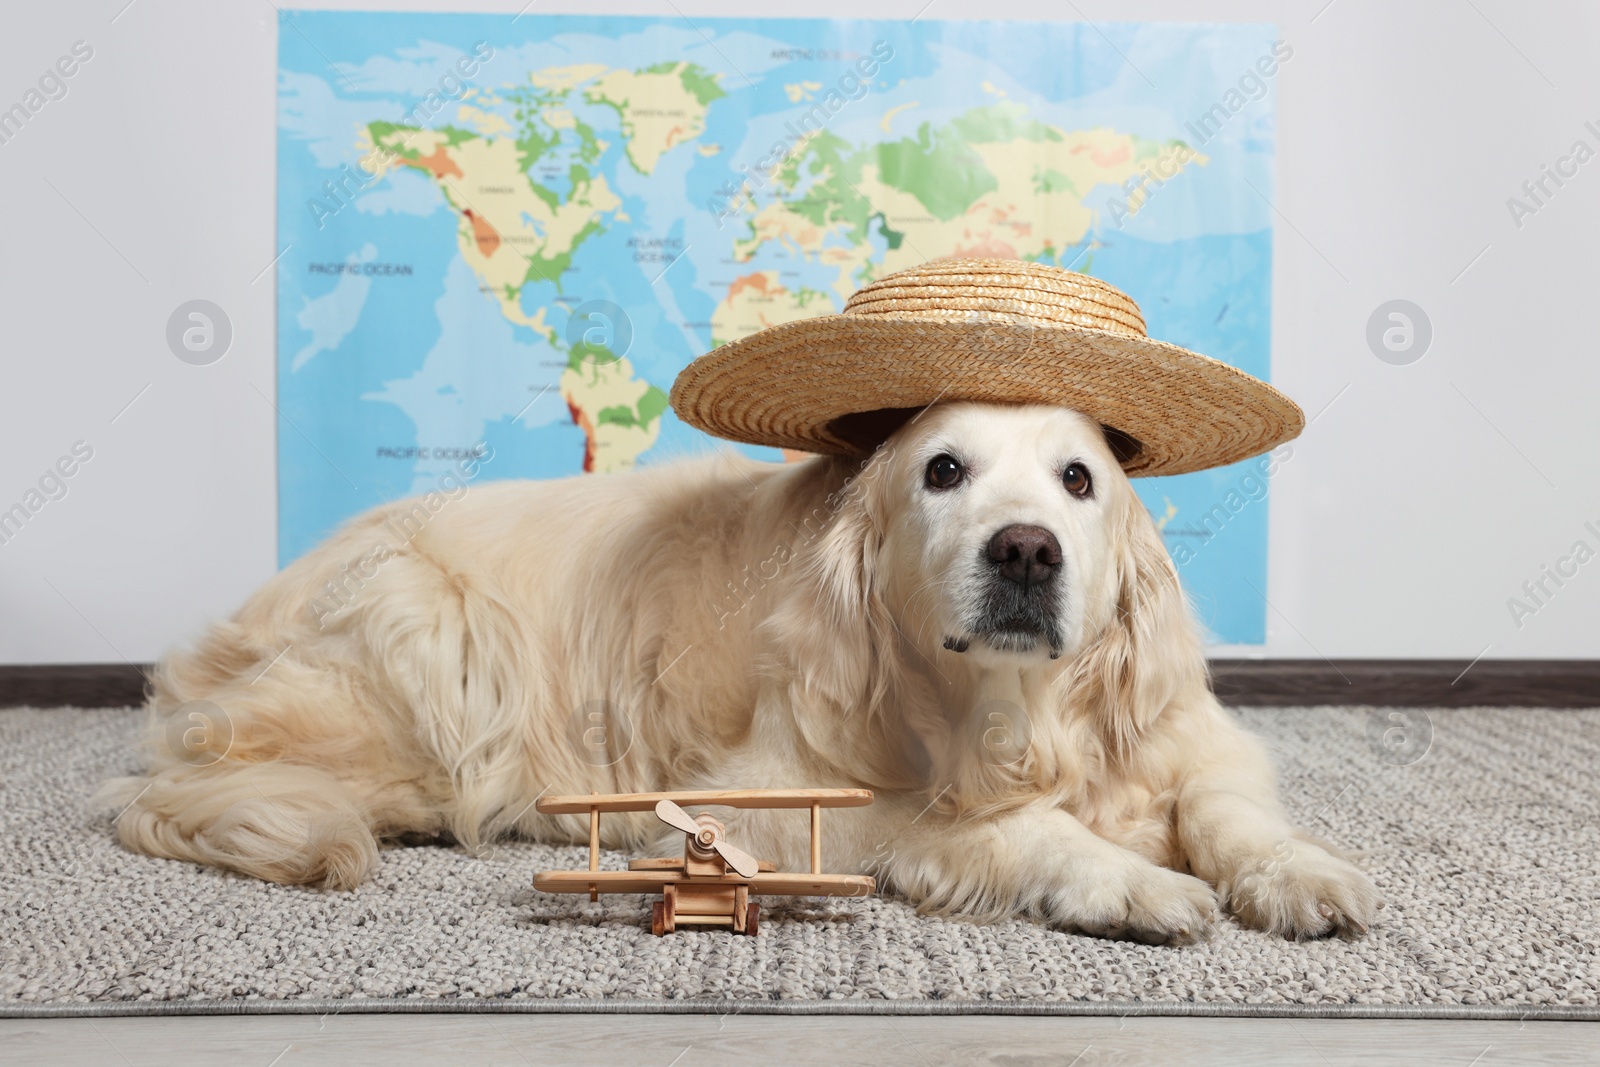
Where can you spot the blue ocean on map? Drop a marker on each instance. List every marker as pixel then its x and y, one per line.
pixel 503 237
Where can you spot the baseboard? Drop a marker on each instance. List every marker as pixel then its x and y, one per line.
pixel 1433 683
pixel 83 685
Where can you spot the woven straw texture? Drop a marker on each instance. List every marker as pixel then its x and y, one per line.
pixel 988 330
pixel 1485 849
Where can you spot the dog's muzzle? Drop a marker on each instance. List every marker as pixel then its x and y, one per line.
pixel 1021 579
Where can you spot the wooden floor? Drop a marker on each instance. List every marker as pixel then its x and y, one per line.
pixel 692 1040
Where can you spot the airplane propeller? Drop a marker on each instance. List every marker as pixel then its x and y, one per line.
pixel 707 837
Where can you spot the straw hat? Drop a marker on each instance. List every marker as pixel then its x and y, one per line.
pixel 999 331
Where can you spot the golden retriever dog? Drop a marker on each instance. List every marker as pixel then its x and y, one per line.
pixel 979 623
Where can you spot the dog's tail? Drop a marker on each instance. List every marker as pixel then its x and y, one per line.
pixel 280 821
pixel 286 752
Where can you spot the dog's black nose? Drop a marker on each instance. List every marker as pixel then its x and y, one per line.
pixel 1027 555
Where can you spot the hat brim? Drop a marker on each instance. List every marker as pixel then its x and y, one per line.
pixel 798 385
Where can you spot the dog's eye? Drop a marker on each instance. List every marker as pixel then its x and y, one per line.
pixel 944 472
pixel 1076 479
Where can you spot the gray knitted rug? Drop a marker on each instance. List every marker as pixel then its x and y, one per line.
pixel 1482 828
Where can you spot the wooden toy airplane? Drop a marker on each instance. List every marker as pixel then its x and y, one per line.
pixel 712 882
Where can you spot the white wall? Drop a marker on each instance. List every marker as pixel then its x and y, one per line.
pixel 1413 508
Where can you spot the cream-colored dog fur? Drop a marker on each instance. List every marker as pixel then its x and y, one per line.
pixel 730 624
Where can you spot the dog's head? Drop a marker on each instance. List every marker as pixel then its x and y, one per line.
pixel 986 538
pixel 999 529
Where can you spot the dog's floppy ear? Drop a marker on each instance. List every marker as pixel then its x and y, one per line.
pixel 1149 652
pixel 837 642
pixel 830 623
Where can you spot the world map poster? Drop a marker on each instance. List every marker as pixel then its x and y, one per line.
pixel 503 237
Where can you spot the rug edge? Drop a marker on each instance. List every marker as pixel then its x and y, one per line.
pixel 392 1006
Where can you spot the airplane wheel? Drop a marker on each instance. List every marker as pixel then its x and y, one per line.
pixel 752 917
pixel 658 919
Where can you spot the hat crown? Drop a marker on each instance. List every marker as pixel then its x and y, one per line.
pixel 1007 291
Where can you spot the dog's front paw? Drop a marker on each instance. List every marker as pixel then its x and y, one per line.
pixel 1301 891
pixel 1141 902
